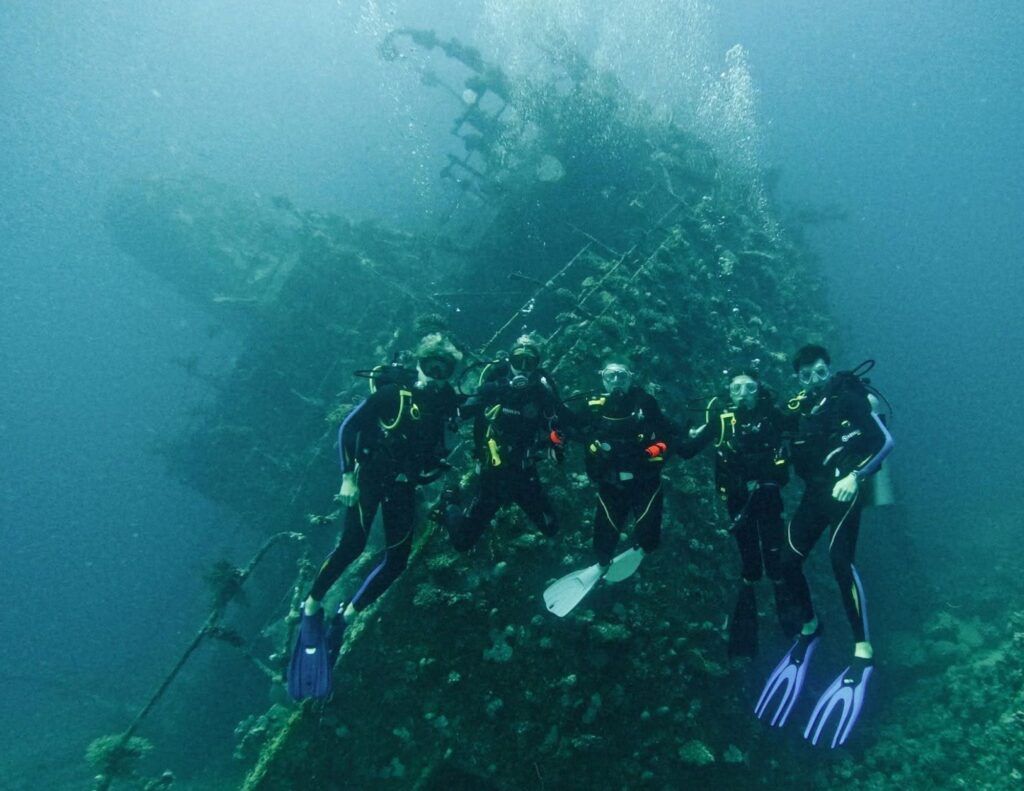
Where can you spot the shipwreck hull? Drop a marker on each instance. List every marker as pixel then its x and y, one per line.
pixel 623 234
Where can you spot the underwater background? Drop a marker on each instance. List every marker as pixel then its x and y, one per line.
pixel 887 136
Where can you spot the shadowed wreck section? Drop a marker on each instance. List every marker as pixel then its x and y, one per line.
pixel 578 213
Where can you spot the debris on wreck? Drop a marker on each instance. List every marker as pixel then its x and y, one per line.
pixel 587 218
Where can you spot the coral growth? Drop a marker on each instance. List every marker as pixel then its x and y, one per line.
pixel 116 758
pixel 634 245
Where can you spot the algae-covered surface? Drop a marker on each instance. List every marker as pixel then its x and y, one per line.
pixel 571 205
pixel 630 237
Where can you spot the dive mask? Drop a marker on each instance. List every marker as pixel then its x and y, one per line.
pixel 814 374
pixel 523 361
pixel 616 378
pixel 742 391
pixel 742 387
pixel 438 368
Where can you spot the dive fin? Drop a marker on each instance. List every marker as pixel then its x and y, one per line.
pixel 848 690
pixel 564 594
pixel 743 626
pixel 787 679
pixel 624 564
pixel 335 636
pixel 309 673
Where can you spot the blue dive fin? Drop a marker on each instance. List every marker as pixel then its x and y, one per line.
pixel 309 673
pixel 845 695
pixel 787 679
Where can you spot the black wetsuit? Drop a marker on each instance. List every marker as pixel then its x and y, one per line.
pixel 616 430
pixel 836 433
pixel 750 471
pixel 511 424
pixel 393 441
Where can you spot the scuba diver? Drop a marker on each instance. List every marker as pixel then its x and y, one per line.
pixel 627 439
pixel 391 443
pixel 750 471
pixel 839 440
pixel 515 412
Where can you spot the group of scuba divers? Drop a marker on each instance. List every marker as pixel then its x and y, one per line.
pixel 830 433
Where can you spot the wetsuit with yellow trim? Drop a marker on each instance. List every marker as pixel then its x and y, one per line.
pixel 515 419
pixel 750 471
pixel 836 433
pixel 393 441
pixel 626 439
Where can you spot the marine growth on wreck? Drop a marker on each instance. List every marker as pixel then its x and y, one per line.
pixel 584 216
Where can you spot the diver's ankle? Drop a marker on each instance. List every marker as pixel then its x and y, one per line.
pixel 810 627
pixel 863 650
pixel 310 607
pixel 349 612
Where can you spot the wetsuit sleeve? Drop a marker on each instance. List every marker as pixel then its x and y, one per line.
pixel 353 429
pixel 455 404
pixel 694 438
pixel 458 405
pixel 788 420
pixel 576 424
pixel 475 404
pixel 437 461
pixel 689 445
pixel 558 415
pixel 664 429
pixel 869 440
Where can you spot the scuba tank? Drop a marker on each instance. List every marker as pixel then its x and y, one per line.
pixel 880 487
pixel 880 490
pixel 394 373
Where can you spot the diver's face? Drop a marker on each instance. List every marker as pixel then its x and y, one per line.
pixel 616 378
pixel 435 371
pixel 522 365
pixel 523 362
pixel 743 391
pixel 814 375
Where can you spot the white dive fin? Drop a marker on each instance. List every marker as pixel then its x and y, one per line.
pixel 624 565
pixel 562 596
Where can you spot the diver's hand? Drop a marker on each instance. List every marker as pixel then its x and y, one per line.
pixel 656 450
pixel 846 489
pixel 349 493
pixel 556 446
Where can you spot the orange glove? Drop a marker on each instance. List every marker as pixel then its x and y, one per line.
pixel 656 451
pixel 557 450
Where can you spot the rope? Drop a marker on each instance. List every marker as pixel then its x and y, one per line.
pixel 212 620
pixel 639 270
pixel 527 306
